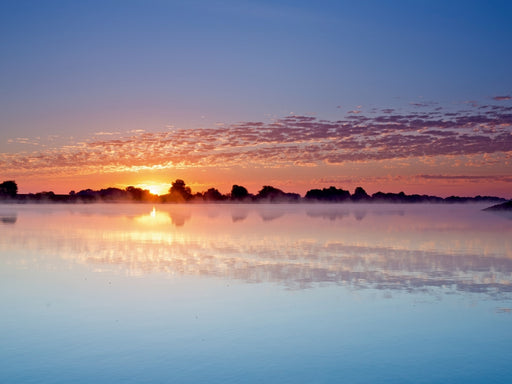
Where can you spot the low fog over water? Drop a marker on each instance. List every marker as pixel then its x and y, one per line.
pixel 255 293
pixel 380 246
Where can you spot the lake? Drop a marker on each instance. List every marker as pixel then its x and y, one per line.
pixel 300 293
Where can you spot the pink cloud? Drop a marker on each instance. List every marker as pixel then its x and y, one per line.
pixel 473 178
pixel 292 140
pixel 502 98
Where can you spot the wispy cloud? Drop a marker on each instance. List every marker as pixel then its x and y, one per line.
pixel 24 140
pixel 502 98
pixel 106 133
pixel 472 178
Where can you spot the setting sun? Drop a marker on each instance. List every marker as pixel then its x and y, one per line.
pixel 155 189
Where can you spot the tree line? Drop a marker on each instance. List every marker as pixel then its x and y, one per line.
pixel 181 193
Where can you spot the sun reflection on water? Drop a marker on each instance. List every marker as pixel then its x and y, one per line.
pixel 154 218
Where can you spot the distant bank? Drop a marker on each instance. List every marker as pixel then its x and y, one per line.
pixel 507 206
pixel 181 193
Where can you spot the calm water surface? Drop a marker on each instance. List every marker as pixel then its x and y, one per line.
pixel 253 294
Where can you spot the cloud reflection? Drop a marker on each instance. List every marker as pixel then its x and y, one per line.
pixel 298 247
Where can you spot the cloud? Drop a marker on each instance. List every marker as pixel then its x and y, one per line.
pixel 502 98
pixel 472 178
pixel 473 103
pixel 425 104
pixel 102 133
pixel 293 140
pixel 24 140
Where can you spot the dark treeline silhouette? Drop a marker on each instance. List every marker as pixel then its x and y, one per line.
pixel 181 193
pixel 330 194
pixel 112 194
pixel 274 195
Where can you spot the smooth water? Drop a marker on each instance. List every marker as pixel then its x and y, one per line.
pixel 255 293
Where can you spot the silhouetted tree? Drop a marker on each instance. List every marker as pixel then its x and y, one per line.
pixel 113 194
pixel 269 192
pixel 45 196
pixel 330 194
pixel 276 195
pixel 8 189
pixel 239 193
pixel 360 195
pixel 198 196
pixel 403 198
pixel 139 194
pixel 86 195
pixel 179 191
pixel 213 194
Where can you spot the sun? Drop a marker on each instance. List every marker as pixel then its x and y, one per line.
pixel 155 189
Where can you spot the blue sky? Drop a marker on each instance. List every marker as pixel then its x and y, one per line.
pixel 71 69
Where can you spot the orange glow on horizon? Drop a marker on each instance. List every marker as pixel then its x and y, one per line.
pixel 299 183
pixel 156 189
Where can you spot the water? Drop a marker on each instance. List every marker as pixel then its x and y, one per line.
pixel 255 293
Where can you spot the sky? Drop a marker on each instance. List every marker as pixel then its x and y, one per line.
pixel 412 96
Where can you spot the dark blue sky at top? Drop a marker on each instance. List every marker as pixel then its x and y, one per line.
pixel 77 67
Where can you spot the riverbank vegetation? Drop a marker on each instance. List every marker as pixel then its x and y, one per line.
pixel 181 193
